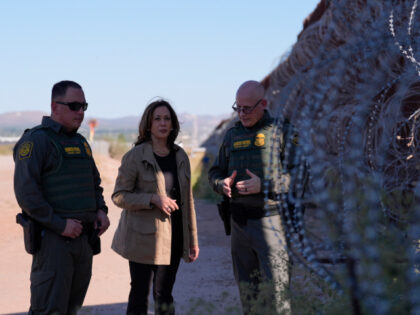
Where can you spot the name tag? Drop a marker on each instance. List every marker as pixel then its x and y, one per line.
pixel 241 144
pixel 72 150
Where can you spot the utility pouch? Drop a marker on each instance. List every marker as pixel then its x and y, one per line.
pixel 31 233
pixel 224 213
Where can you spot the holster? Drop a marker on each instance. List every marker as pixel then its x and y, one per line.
pixel 95 242
pixel 224 213
pixel 93 239
pixel 31 233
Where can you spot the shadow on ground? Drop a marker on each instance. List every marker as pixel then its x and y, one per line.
pixel 104 309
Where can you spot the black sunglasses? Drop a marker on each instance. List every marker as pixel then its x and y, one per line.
pixel 75 106
pixel 245 109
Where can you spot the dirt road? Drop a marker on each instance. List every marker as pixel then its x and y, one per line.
pixel 204 287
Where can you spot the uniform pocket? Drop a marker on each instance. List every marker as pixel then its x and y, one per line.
pixel 41 284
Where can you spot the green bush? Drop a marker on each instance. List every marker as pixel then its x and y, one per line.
pixel 200 183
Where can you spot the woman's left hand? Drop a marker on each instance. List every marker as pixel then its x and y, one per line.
pixel 193 253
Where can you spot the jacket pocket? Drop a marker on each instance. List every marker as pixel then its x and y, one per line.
pixel 148 182
pixel 41 285
pixel 149 176
pixel 148 173
pixel 143 221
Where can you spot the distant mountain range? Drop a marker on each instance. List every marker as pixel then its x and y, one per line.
pixel 196 127
pixel 20 120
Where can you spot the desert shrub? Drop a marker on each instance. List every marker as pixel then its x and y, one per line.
pixel 6 149
pixel 118 147
pixel 199 181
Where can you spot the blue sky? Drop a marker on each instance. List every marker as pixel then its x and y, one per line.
pixel 124 53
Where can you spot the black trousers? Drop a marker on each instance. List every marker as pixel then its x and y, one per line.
pixel 163 278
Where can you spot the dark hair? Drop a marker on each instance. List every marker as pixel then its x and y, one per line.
pixel 146 123
pixel 60 88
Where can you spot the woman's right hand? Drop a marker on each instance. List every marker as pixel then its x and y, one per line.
pixel 166 204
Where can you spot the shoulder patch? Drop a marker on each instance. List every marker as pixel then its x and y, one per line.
pixel 87 148
pixel 295 139
pixel 25 150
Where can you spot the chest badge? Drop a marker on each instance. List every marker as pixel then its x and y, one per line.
pixel 25 150
pixel 259 140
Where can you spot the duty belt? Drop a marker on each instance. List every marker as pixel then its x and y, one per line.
pixel 241 214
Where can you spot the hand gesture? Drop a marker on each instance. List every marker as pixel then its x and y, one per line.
pixel 193 255
pixel 102 222
pixel 227 184
pixel 249 186
pixel 73 228
pixel 166 204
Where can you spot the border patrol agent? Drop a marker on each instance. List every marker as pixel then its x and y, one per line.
pixel 258 244
pixel 57 185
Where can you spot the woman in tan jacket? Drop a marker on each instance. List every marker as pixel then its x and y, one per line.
pixel 157 225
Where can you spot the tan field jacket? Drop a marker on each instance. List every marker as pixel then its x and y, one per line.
pixel 144 231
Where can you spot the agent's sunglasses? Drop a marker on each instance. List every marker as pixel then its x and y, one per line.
pixel 75 106
pixel 245 109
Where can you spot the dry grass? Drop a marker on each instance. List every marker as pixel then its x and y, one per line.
pixel 6 148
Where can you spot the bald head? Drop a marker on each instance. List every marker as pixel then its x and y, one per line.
pixel 252 89
pixel 250 103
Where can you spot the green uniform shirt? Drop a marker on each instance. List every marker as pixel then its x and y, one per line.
pixel 250 148
pixel 35 155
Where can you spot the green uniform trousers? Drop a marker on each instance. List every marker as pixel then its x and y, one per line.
pixel 60 275
pixel 261 265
